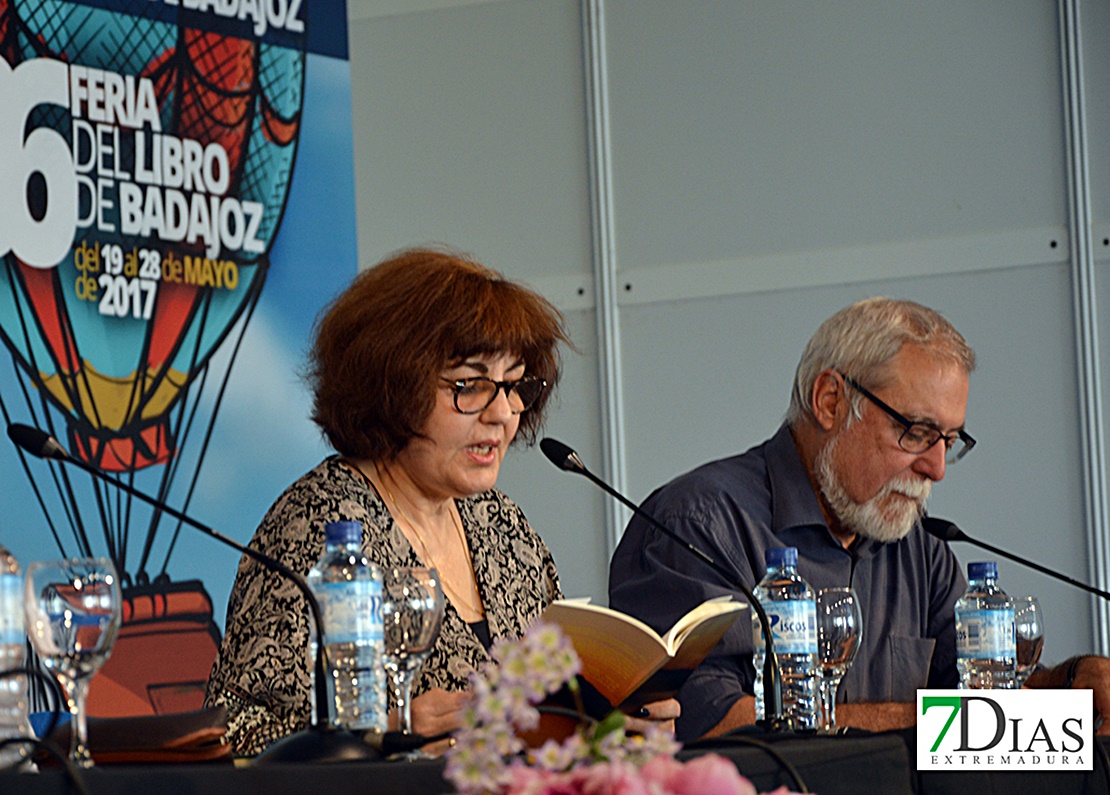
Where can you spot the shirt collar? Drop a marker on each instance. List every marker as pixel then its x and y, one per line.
pixel 794 503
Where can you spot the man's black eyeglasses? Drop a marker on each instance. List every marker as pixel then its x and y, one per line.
pixel 917 437
pixel 474 395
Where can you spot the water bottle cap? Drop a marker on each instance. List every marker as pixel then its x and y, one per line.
pixel 986 570
pixel 778 557
pixel 345 532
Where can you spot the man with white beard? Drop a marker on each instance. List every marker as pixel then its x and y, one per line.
pixel 876 415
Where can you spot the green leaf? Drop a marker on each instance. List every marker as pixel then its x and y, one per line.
pixel 612 722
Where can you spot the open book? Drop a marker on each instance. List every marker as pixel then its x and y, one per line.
pixel 626 660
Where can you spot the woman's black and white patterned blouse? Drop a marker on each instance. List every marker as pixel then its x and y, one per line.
pixel 262 673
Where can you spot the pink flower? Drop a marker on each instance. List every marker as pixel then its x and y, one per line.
pixel 664 775
pixel 523 780
pixel 710 774
pixel 603 778
pixel 610 778
pixel 662 769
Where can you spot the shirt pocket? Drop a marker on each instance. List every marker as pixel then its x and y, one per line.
pixel 910 659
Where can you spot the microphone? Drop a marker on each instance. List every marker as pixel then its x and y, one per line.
pixel 567 459
pixel 319 743
pixel 947 531
pixel 38 443
pixel 564 457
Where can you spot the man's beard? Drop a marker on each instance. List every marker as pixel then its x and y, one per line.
pixel 871 519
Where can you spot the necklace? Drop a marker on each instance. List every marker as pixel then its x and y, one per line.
pixel 474 606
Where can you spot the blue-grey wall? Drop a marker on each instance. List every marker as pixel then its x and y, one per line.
pixel 736 172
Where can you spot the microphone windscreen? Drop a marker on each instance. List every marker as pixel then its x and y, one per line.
pixel 30 440
pixel 560 454
pixel 942 529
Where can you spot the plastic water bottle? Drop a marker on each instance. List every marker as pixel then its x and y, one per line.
pixel 791 608
pixel 13 639
pixel 349 590
pixel 986 653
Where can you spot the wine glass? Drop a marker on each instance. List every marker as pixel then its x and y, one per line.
pixel 1028 634
pixel 73 614
pixel 839 631
pixel 412 608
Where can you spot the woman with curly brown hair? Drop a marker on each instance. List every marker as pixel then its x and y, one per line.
pixel 424 371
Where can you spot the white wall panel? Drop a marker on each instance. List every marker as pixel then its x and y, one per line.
pixel 470 131
pixel 750 128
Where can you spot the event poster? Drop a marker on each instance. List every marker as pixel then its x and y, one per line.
pixel 176 205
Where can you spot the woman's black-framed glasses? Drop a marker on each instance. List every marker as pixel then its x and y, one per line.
pixel 475 394
pixel 917 437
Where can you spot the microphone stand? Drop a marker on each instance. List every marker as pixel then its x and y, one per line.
pixel 565 458
pixel 947 531
pixel 321 742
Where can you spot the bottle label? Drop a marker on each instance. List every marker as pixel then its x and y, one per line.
pixel 352 610
pixel 985 633
pixel 793 626
pixel 11 609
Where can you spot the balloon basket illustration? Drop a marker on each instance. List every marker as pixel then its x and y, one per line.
pixel 162 656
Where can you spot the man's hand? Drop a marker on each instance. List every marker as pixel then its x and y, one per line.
pixel 1091 673
pixel 877 717
pixel 873 717
pixel 741 713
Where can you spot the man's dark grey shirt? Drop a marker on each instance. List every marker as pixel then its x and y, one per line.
pixel 734 509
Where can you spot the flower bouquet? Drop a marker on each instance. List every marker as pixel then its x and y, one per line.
pixel 597 758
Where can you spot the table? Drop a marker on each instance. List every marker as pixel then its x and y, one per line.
pixel 1094 782
pixel 859 762
pixel 827 765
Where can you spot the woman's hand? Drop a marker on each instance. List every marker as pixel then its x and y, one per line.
pixel 435 712
pixel 657 713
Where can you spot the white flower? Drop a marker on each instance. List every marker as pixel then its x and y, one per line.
pixel 553 755
pixel 487 756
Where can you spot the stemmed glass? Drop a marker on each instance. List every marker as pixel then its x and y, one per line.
pixel 73 614
pixel 839 631
pixel 412 609
pixel 1028 634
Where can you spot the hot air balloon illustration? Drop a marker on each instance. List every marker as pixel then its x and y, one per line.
pixel 114 345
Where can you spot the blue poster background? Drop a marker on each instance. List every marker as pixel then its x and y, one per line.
pixel 261 437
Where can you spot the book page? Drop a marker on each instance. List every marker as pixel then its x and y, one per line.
pixel 695 636
pixel 721 605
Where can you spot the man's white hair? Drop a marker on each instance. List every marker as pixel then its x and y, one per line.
pixel 861 340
